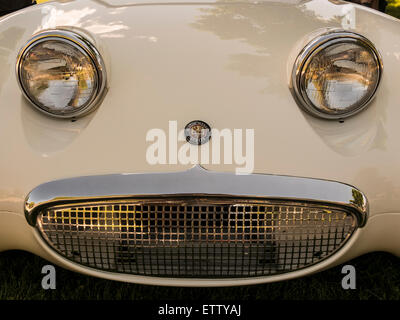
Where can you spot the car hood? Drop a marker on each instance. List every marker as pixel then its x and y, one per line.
pixel 227 64
pixel 117 3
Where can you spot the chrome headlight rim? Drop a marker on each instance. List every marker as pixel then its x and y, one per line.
pixel 315 46
pixel 82 44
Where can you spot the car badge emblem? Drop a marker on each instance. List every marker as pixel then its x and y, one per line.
pixel 197 132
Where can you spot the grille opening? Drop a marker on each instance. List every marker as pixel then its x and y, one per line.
pixel 196 237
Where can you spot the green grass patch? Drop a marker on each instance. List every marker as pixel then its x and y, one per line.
pixel 378 277
pixel 393 8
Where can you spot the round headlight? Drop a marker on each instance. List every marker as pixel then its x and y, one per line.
pixel 336 75
pixel 61 73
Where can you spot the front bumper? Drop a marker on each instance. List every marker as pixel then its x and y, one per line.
pixel 196 225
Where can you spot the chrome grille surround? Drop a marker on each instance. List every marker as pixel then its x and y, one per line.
pixel 194 237
pixel 196 223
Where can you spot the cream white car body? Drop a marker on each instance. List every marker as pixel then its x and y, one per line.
pixel 228 63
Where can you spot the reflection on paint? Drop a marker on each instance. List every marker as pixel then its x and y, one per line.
pixel 84 18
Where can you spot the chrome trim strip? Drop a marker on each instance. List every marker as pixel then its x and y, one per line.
pixel 322 41
pixel 195 182
pixel 82 43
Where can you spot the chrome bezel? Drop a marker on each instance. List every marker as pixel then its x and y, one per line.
pixel 84 45
pixel 196 182
pixel 310 50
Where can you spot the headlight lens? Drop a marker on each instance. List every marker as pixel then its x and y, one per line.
pixel 337 74
pixel 61 74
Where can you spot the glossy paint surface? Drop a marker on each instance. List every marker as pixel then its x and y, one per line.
pixel 227 63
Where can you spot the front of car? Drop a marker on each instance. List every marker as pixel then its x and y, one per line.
pixel 199 143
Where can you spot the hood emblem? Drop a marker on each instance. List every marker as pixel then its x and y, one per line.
pixel 197 132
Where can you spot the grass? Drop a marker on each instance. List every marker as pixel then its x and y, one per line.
pixel 393 8
pixel 378 277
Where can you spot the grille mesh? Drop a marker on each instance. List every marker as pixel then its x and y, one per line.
pixel 203 238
